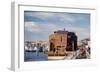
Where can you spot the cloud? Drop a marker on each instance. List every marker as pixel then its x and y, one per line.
pixel 66 18
pixel 48 22
pixel 39 27
pixel 31 26
pixel 40 15
pixel 51 16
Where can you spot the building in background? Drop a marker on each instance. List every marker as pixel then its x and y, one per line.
pixel 62 41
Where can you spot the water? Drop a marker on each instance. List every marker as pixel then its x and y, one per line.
pixel 33 56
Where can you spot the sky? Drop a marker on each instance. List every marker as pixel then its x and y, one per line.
pixel 39 25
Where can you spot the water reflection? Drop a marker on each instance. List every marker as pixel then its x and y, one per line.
pixel 35 56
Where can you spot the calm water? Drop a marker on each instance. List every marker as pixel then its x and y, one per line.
pixel 32 56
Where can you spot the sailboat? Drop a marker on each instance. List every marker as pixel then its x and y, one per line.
pixel 35 49
pixel 26 48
